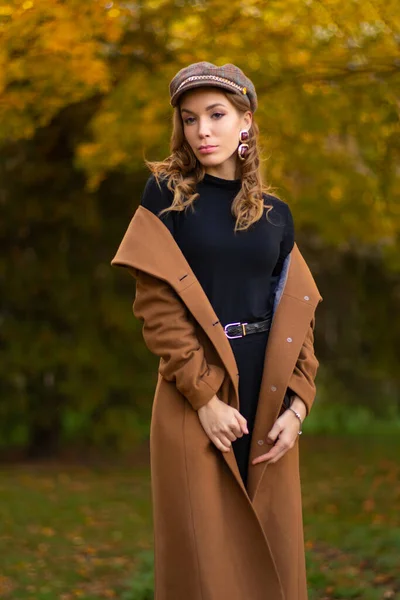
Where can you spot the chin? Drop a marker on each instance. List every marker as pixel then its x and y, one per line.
pixel 210 160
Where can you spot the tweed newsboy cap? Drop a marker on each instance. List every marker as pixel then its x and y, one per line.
pixel 228 77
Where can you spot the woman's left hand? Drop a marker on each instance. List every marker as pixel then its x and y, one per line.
pixel 284 433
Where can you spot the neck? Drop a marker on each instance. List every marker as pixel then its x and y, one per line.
pixel 225 171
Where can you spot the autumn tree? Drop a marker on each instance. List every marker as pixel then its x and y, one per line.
pixel 84 98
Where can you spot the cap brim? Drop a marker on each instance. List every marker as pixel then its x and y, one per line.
pixel 196 84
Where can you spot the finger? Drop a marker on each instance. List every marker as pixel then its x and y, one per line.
pixel 237 431
pixel 280 446
pixel 265 458
pixel 242 421
pixel 224 440
pixel 281 449
pixel 285 449
pixel 237 428
pixel 229 434
pixel 278 456
pixel 274 432
pixel 220 445
pixel 260 459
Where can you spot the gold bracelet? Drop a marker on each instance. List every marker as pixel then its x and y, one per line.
pixel 299 418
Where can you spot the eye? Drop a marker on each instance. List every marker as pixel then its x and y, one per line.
pixel 217 115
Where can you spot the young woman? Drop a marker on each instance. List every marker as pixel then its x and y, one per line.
pixel 228 305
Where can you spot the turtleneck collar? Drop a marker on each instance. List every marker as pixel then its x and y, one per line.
pixel 230 184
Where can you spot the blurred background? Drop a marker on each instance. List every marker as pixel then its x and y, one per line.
pixel 83 101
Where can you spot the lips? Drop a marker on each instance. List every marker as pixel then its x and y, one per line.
pixel 207 149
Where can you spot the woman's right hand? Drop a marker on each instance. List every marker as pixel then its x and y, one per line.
pixel 222 423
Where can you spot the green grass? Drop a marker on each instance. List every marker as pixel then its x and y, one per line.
pixel 351 509
pixel 71 531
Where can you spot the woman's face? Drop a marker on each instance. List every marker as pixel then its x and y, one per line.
pixel 210 120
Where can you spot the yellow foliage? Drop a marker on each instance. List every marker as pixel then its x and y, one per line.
pixel 336 193
pixel 156 4
pixel 325 74
pixel 309 88
pixel 306 137
pixel 113 13
pixel 6 11
pixel 300 58
pixel 188 28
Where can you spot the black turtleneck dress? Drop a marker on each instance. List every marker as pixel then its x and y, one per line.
pixel 235 271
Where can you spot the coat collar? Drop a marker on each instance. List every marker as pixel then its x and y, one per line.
pixel 149 246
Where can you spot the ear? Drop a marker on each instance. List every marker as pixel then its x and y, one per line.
pixel 248 119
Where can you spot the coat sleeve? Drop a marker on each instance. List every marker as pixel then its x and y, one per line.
pixel 170 334
pixel 302 379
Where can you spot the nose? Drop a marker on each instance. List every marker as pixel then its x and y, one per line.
pixel 204 129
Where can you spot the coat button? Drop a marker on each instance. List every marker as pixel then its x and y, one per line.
pixel 273 388
pixel 289 339
pixel 306 297
pixel 260 442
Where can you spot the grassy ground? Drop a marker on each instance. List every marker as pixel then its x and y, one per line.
pixel 71 531
pixel 351 507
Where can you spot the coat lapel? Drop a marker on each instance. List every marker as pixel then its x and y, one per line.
pixel 149 246
pixel 296 298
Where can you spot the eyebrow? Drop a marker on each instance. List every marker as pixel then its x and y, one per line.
pixel 208 108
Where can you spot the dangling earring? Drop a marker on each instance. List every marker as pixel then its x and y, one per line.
pixel 243 148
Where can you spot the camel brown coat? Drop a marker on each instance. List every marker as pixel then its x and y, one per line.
pixel 214 539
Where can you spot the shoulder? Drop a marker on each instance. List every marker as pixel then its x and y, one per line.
pixel 156 195
pixel 276 202
pixel 281 207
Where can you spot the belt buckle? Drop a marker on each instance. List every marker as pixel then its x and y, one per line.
pixel 232 337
